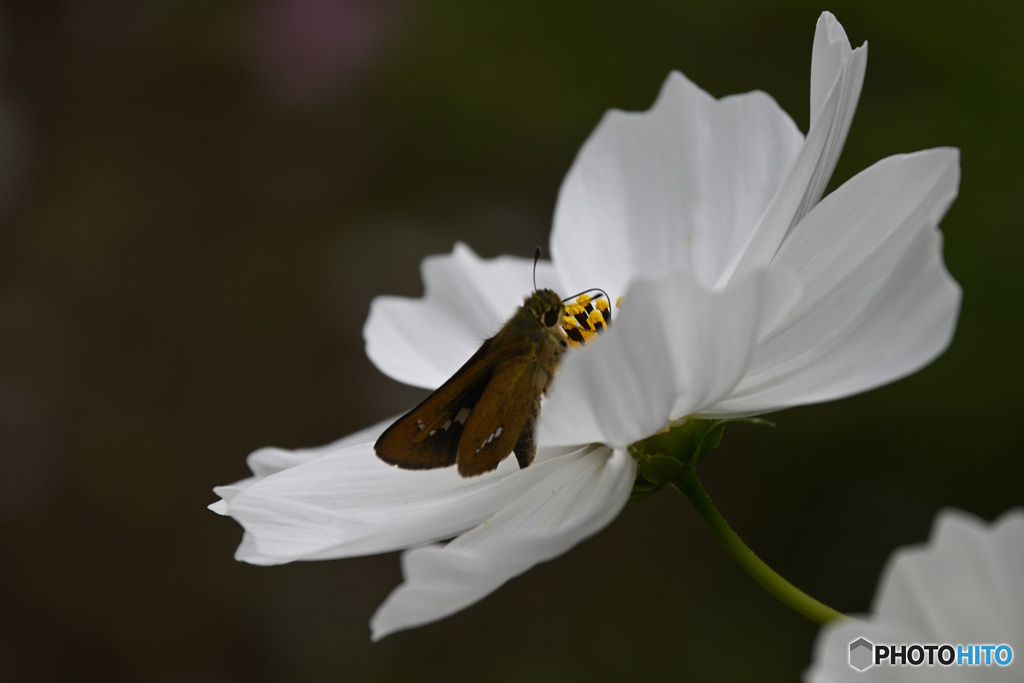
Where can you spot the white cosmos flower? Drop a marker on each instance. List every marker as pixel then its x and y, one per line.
pixel 964 587
pixel 743 294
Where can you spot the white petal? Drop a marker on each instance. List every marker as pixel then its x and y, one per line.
pixel 832 60
pixel 878 302
pixel 837 74
pixel 831 655
pixel 964 587
pixel 679 186
pixel 347 502
pixel 966 584
pixel 675 348
pixel 830 57
pixel 467 299
pixel 267 461
pixel 581 494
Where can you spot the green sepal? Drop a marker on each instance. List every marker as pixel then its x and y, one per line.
pixel 663 457
pixel 660 469
pixel 642 489
pixel 711 438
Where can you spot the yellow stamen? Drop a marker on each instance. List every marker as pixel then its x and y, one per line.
pixel 574 309
pixel 595 321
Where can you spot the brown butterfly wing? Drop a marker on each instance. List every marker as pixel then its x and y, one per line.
pixel 428 436
pixel 487 408
pixel 502 414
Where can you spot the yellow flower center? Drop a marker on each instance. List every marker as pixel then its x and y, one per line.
pixel 585 318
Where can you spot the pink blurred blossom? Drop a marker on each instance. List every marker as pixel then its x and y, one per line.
pixel 303 50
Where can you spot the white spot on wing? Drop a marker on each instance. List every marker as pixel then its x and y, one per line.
pixel 462 415
pixel 491 437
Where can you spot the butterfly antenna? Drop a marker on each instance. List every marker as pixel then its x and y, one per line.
pixel 536 257
pixel 587 291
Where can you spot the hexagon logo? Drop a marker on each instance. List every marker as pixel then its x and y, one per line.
pixel 862 653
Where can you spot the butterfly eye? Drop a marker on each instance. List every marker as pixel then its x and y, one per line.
pixel 552 316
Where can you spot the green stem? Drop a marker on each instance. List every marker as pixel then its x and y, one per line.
pixel 689 485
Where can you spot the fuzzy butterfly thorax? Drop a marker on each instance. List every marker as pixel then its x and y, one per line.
pixel 488 409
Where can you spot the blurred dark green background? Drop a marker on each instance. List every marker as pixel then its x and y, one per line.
pixel 199 201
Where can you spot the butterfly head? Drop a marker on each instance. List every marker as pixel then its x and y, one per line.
pixel 545 305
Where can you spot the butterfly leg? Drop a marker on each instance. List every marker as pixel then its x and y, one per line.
pixel 525 447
